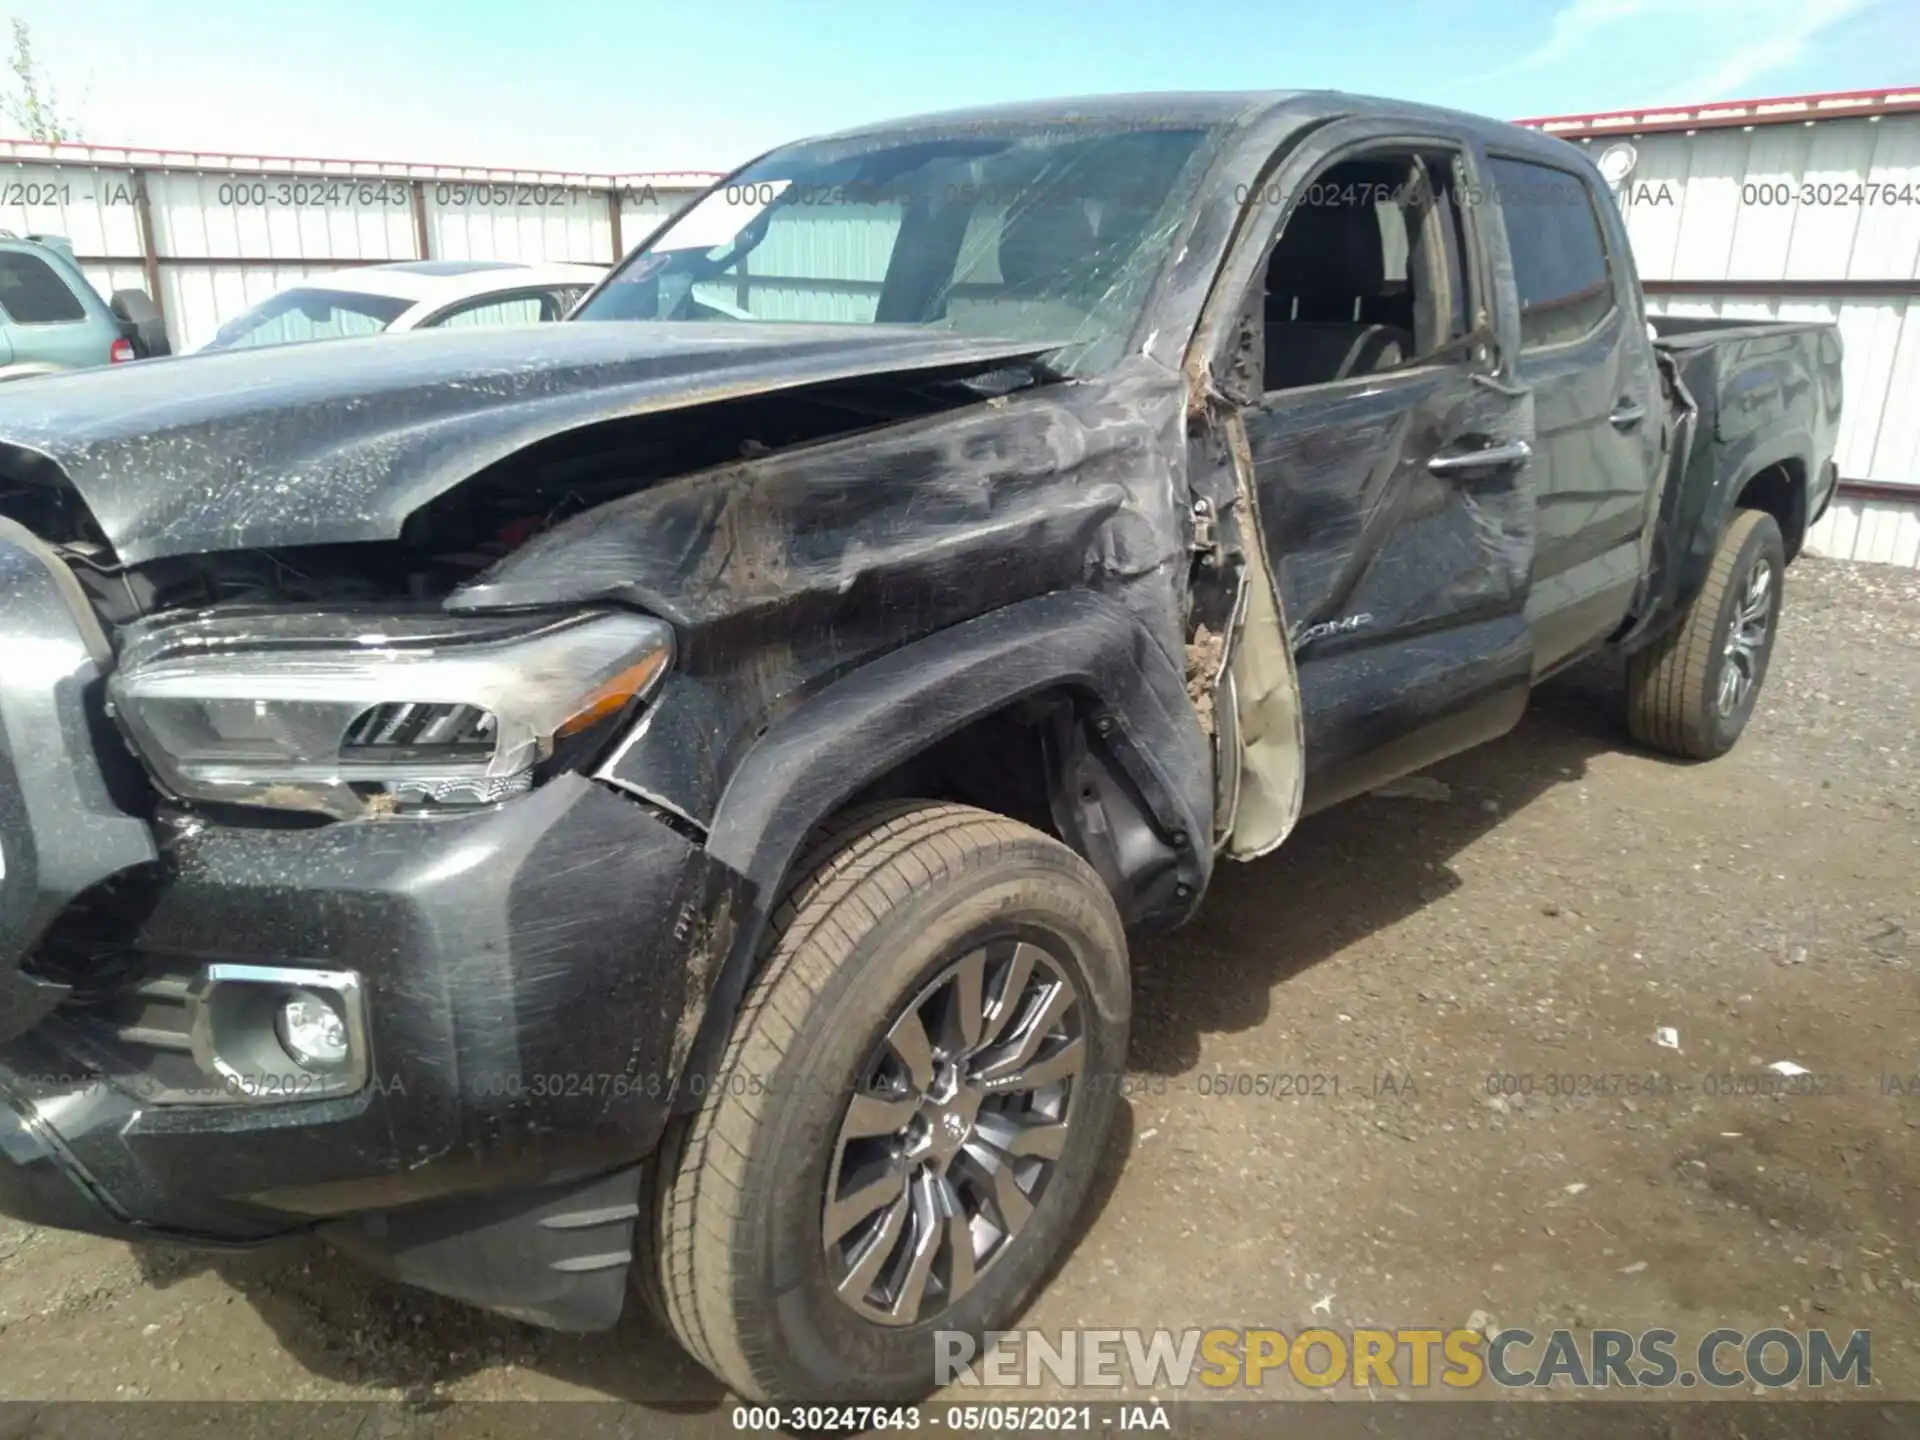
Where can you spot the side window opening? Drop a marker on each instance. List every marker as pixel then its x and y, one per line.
pixel 1368 274
pixel 32 294
pixel 503 310
pixel 1560 268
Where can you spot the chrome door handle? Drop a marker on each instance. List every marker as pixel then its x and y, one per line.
pixel 1627 414
pixel 1511 452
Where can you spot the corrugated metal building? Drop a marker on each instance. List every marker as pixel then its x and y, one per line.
pixel 208 235
pixel 1801 207
pixel 1797 208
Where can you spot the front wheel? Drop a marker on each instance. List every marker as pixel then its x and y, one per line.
pixel 910 1111
pixel 1693 690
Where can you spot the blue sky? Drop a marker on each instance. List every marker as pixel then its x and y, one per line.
pixel 704 84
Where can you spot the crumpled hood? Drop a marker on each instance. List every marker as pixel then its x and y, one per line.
pixel 339 441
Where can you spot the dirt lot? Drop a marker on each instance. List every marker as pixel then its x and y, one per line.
pixel 1541 911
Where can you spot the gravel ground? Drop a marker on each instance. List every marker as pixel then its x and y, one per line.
pixel 1546 906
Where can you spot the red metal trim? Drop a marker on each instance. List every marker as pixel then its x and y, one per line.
pixel 1720 115
pixel 81 153
pixel 1879 490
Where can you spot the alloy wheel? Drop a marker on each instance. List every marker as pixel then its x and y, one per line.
pixel 1747 637
pixel 954 1128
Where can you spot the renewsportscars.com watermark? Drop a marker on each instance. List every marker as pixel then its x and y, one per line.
pixel 1419 1358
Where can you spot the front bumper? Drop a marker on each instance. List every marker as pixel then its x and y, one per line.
pixel 534 974
pixel 531 977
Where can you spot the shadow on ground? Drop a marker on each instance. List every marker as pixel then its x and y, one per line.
pixel 1350 871
pixel 345 1324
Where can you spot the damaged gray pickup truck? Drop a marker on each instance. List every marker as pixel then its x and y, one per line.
pixel 657 802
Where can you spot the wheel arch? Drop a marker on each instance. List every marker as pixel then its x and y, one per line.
pixel 1773 478
pixel 1781 489
pixel 1126 766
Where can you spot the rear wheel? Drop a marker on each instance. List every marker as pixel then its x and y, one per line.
pixel 1693 690
pixel 910 1111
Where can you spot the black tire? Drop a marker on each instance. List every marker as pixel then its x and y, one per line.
pixel 1677 686
pixel 885 903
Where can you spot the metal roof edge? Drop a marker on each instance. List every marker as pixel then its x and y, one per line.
pixel 133 157
pixel 1722 114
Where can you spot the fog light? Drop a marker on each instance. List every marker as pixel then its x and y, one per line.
pixel 313 1031
pixel 275 1035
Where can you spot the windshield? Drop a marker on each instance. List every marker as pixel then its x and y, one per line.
pixel 1050 235
pixel 309 314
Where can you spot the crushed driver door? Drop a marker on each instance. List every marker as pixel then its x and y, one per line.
pixel 1385 501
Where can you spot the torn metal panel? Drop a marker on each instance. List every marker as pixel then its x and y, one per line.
pixel 782 572
pixel 340 442
pixel 1104 673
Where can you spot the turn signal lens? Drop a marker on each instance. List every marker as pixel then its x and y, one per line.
pixel 614 696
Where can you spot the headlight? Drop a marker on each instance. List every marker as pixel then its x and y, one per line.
pixel 331 710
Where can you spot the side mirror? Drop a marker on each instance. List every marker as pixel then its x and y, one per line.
pixel 140 322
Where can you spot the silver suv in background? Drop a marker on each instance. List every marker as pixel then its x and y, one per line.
pixel 52 319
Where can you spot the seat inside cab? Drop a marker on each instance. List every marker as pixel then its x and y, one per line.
pixel 1356 285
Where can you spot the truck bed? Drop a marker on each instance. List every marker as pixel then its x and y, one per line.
pixel 1753 398
pixel 1759 385
pixel 1691 332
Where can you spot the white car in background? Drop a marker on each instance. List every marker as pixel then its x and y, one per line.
pixel 408 295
